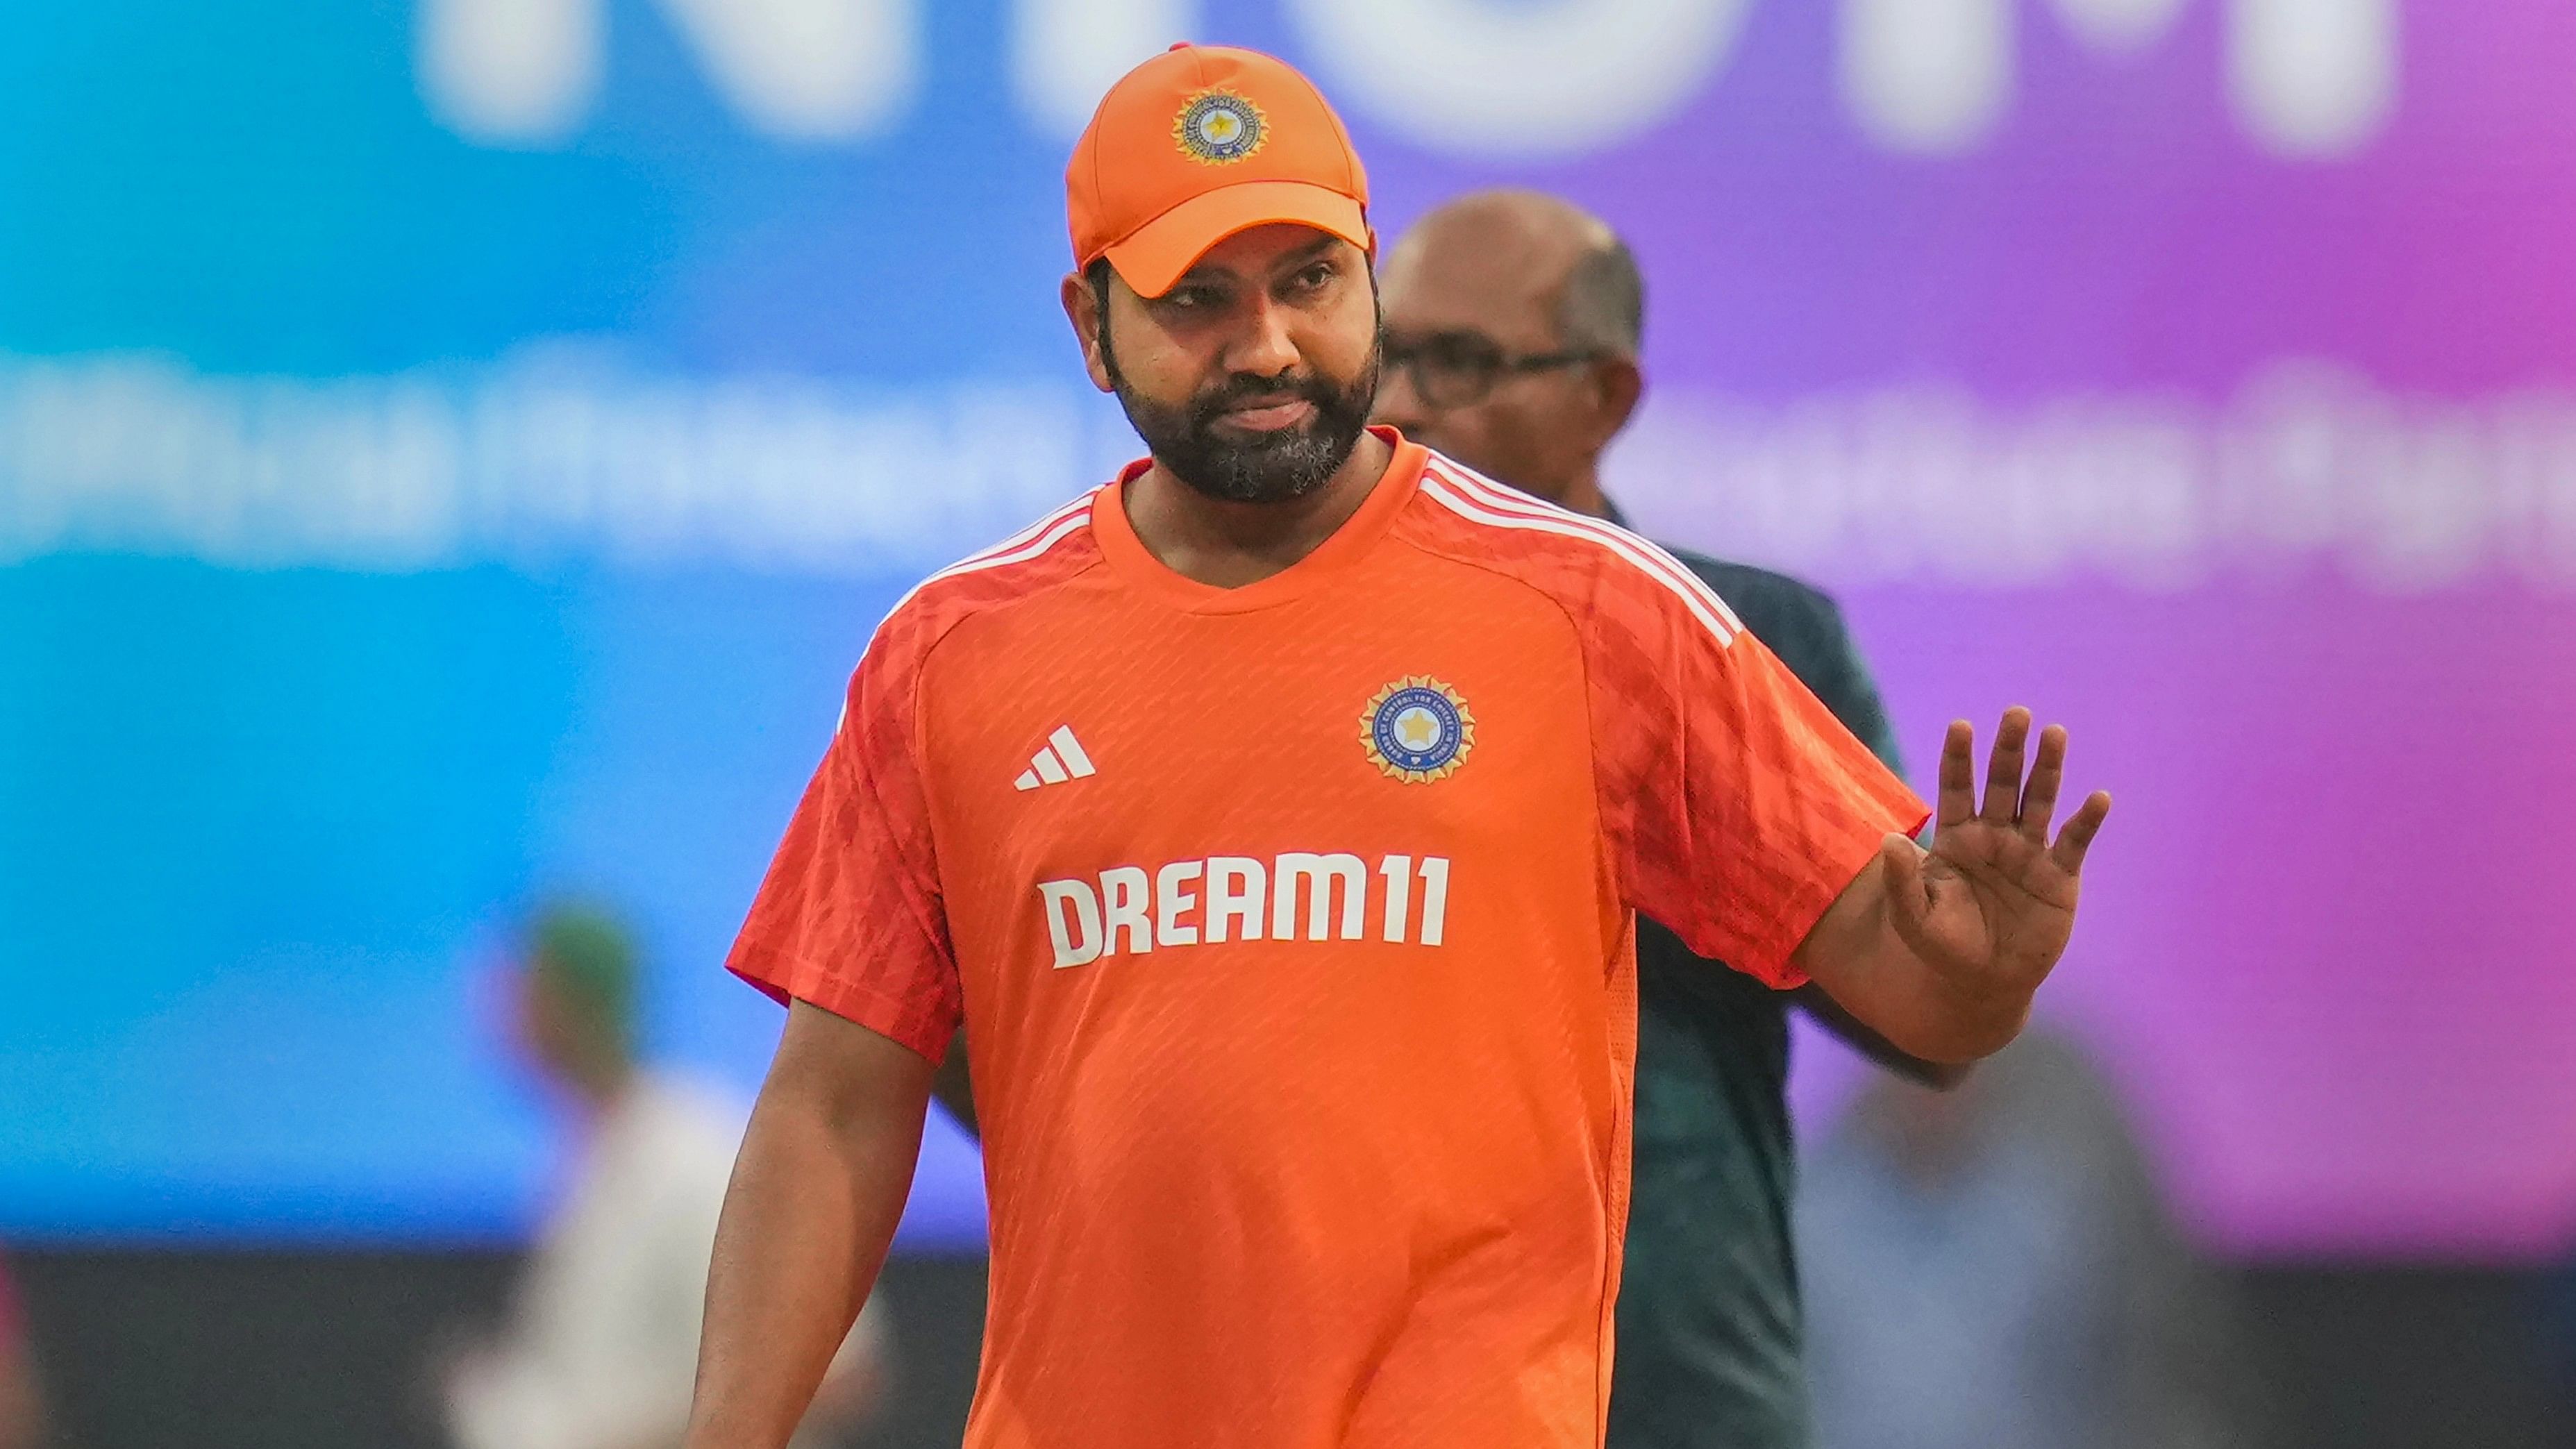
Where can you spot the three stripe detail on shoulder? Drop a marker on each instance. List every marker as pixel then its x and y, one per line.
pixel 1060 759
pixel 1032 542
pixel 1479 499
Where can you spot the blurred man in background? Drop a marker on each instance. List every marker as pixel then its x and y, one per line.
pixel 22 1417
pixel 1993 1268
pixel 603 1337
pixel 1512 328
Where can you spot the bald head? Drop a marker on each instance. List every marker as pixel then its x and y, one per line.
pixel 1560 250
pixel 1520 314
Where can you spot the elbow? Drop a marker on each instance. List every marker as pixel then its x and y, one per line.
pixel 1957 1034
pixel 1931 1075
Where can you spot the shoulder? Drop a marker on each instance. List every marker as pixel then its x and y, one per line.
pixel 1029 565
pixel 1803 627
pixel 1770 604
pixel 1602 575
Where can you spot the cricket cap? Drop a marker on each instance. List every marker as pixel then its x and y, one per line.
pixel 1197 144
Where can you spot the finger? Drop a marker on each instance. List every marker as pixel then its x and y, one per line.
pixel 1958 774
pixel 2039 796
pixel 2077 837
pixel 2003 768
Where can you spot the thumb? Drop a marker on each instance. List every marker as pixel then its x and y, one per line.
pixel 1909 900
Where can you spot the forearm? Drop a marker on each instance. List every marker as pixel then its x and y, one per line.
pixel 817 1191
pixel 1927 1016
pixel 1859 957
pixel 1861 1037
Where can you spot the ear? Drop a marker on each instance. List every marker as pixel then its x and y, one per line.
pixel 1616 384
pixel 1082 309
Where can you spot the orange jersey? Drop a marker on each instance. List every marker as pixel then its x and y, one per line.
pixel 1292 923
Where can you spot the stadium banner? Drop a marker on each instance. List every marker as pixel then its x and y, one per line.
pixel 451 453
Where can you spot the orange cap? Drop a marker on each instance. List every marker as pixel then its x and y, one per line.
pixel 1197 144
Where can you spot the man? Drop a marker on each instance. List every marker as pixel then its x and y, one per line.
pixel 1994 1268
pixel 1513 321
pixel 1273 815
pixel 598 1350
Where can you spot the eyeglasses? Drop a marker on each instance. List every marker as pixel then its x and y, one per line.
pixel 1461 369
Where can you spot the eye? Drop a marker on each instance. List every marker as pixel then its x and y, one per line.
pixel 1314 277
pixel 1459 354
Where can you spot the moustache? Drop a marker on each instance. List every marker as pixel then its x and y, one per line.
pixel 1250 391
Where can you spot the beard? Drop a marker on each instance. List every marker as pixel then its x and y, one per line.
pixel 1267 468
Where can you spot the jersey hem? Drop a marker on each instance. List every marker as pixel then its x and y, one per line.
pixel 1847 858
pixel 784 978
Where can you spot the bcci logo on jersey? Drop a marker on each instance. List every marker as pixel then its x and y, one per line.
pixel 1418 729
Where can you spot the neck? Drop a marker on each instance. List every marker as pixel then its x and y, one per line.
pixel 1584 495
pixel 1228 545
pixel 599 1081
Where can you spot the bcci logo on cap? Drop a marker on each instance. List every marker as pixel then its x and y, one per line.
pixel 1219 126
pixel 1418 729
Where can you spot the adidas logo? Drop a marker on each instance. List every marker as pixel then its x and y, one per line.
pixel 1061 760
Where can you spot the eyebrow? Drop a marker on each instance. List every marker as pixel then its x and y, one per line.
pixel 1298 258
pixel 1311 250
pixel 1443 334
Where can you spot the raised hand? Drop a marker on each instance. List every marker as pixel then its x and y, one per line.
pixel 1992 904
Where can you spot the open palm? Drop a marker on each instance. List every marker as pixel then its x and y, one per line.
pixel 1992 904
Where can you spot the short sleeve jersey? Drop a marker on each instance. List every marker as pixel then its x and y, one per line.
pixel 1294 924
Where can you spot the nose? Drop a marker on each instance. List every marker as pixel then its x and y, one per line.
pixel 1264 349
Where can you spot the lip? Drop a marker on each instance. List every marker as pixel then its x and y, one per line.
pixel 1268 417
